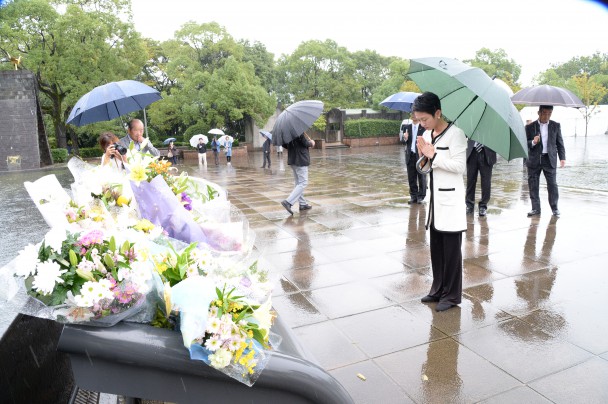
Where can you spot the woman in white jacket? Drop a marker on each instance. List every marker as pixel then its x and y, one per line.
pixel 444 145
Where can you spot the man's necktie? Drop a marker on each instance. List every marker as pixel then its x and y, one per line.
pixel 478 147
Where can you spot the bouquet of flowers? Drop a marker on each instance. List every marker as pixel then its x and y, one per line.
pixel 224 310
pixel 85 276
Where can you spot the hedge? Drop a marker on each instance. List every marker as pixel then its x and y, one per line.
pixel 87 152
pixel 59 155
pixel 360 128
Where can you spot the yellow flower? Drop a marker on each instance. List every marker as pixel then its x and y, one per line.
pixel 123 201
pixel 138 174
pixel 144 225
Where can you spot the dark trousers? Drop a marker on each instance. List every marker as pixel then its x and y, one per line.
pixel 477 164
pixel 416 181
pixel 534 183
pixel 266 159
pixel 446 261
pixel 216 157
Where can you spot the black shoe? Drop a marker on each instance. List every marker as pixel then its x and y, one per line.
pixel 305 207
pixel 469 211
pixel 263 167
pixel 411 201
pixel 429 299
pixel 534 212
pixel 482 211
pixel 556 213
pixel 287 206
pixel 443 306
pixel 419 201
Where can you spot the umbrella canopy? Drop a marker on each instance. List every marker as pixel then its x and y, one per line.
pixel 194 139
pixel 112 100
pixel 295 120
pixel 547 95
pixel 401 101
pixel 222 140
pixel 169 140
pixel 216 131
pixel 266 134
pixel 477 105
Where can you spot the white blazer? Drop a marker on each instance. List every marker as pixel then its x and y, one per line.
pixel 447 209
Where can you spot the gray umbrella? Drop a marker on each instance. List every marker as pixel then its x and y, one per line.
pixel 296 119
pixel 547 95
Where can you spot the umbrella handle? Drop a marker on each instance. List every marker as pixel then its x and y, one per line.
pixel 421 163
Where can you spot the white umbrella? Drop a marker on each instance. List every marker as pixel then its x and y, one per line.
pixel 216 131
pixel 223 139
pixel 194 139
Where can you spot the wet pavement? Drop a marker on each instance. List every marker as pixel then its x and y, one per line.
pixel 350 273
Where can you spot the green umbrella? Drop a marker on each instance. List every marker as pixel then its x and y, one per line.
pixel 474 102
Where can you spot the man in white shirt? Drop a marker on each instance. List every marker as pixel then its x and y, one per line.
pixel 416 181
pixel 545 145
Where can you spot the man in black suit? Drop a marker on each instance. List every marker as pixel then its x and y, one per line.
pixel 417 181
pixel 480 160
pixel 545 144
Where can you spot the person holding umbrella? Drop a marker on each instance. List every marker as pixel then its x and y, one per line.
pixel 215 148
pixel 228 149
pixel 444 148
pixel 545 144
pixel 201 147
pixel 172 153
pixel 135 134
pixel 266 150
pixel 298 157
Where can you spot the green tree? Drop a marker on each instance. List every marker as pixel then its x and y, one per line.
pixel 591 92
pixel 321 71
pixel 497 63
pixel 263 62
pixel 395 82
pixel 371 70
pixel 71 52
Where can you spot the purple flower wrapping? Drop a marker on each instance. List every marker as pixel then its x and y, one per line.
pixel 159 205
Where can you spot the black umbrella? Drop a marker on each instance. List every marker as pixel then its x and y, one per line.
pixel 295 120
pixel 547 95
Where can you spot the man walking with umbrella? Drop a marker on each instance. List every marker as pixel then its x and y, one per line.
pixel 298 157
pixel 215 148
pixel 545 144
pixel 135 134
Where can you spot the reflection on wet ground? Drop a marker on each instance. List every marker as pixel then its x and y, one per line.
pixel 350 272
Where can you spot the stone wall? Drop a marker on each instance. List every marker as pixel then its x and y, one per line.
pixel 19 121
pixel 371 141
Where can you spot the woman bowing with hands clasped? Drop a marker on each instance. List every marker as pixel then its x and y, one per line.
pixel 444 147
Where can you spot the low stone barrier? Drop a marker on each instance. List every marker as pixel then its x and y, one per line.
pixel 371 141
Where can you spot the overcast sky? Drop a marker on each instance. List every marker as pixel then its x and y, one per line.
pixel 535 33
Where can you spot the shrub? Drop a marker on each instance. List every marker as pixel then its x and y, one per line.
pixel 360 128
pixel 88 152
pixel 59 155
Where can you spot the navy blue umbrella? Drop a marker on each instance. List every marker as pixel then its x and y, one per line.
pixel 112 100
pixel 401 101
pixel 266 134
pixel 169 140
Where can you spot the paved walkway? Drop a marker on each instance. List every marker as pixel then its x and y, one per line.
pixel 350 273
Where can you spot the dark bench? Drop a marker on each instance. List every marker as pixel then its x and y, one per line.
pixel 136 360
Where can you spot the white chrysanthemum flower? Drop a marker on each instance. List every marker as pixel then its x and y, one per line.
pixel 234 344
pixel 213 325
pixel 27 261
pixel 213 310
pixel 213 343
pixel 122 274
pixel 221 358
pixel 192 270
pixel 55 238
pixel 48 274
pixel 73 312
pixel 86 265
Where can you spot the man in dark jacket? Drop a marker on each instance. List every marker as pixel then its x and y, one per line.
pixel 480 161
pixel 298 157
pixel 266 151
pixel 545 145
pixel 416 181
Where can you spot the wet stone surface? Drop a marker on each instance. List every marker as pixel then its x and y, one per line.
pixel 349 275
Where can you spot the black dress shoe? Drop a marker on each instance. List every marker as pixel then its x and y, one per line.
pixel 534 212
pixel 287 206
pixel 429 299
pixel 411 201
pixel 469 211
pixel 482 211
pixel 556 213
pixel 443 306
pixel 305 207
